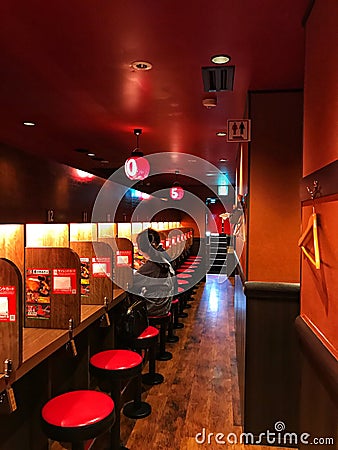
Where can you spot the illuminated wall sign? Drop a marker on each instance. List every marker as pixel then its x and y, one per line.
pixel 176 193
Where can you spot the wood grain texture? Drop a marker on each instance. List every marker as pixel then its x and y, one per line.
pixel 62 306
pixel 39 343
pixel 99 286
pixel 47 235
pixel 11 331
pixel 12 244
pixel 123 275
pixel 201 385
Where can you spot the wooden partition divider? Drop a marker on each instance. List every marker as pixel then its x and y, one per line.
pixel 52 280
pixel 123 251
pixel 96 271
pixel 10 314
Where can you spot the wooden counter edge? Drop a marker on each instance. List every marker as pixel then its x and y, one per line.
pixel 89 314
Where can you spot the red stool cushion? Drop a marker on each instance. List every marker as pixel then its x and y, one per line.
pixel 149 332
pixel 175 301
pixel 180 290
pixel 184 275
pixel 182 282
pixel 183 270
pixel 78 408
pixel 116 360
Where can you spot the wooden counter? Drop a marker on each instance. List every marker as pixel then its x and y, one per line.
pixel 40 343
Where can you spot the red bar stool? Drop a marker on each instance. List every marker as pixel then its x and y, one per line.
pixel 78 416
pixel 148 341
pixel 114 367
pixel 163 322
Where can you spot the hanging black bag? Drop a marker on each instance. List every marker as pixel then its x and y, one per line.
pixel 133 319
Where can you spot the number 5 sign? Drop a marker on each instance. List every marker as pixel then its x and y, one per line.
pixel 176 193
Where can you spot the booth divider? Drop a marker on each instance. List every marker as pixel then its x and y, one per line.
pixel 10 316
pixel 52 280
pixel 96 272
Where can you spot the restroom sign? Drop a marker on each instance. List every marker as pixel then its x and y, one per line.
pixel 239 130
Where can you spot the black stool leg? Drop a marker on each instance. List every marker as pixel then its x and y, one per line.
pixel 151 378
pixel 137 409
pixel 163 355
pixel 176 324
pixel 171 336
pixel 115 438
pixel 181 313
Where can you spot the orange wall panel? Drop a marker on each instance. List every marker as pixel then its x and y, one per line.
pixel 321 87
pixel 319 306
pixel 274 175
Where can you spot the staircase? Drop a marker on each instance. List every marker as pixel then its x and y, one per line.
pixel 218 247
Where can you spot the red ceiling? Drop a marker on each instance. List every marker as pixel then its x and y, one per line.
pixel 66 65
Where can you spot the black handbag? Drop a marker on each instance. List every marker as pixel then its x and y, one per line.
pixel 133 319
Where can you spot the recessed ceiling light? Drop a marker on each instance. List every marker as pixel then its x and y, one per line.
pixel 223 160
pixel 220 59
pixel 104 161
pixel 221 133
pixel 91 154
pixel 141 65
pixel 29 124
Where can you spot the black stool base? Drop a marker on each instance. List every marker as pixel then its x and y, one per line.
pixel 179 325
pixel 187 306
pixel 165 356
pixel 182 315
pixel 152 378
pixel 138 410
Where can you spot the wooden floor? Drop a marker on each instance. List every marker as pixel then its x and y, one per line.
pixel 201 386
pixel 200 390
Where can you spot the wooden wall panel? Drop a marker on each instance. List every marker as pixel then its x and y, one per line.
pixel 12 244
pixel 99 287
pixel 62 306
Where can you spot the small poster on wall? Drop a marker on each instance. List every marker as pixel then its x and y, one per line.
pixel 38 288
pixel 123 258
pixel 7 304
pixel 64 281
pixel 101 267
pixel 85 276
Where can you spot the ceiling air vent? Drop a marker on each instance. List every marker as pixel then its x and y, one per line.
pixel 217 79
